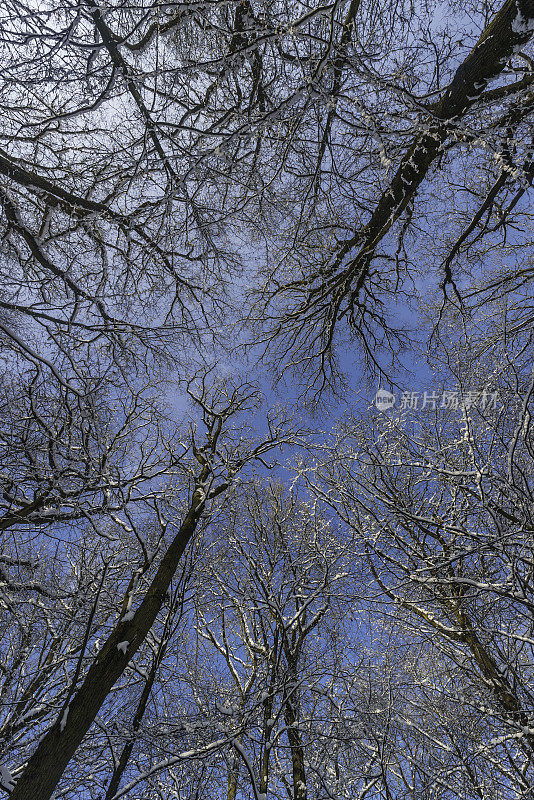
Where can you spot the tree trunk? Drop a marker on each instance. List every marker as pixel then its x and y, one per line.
pixel 497 43
pixel 232 779
pixel 267 717
pixel 118 772
pixel 291 716
pixel 56 748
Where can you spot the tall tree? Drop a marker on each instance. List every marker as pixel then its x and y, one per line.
pixel 414 120
pixel 441 503
pixel 271 613
pixel 211 471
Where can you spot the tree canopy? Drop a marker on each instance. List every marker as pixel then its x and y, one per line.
pixel 224 565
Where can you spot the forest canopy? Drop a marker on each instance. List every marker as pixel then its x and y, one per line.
pixel 266 441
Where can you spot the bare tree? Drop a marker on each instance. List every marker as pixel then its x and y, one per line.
pixel 441 506
pixel 150 155
pixel 272 616
pixel 211 471
pixel 363 221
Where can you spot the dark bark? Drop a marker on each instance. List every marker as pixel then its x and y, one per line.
pixel 464 633
pixel 291 716
pixel 69 201
pixel 486 60
pixel 126 752
pixel 495 46
pixel 268 704
pixel 49 761
pixel 501 688
pixel 233 773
